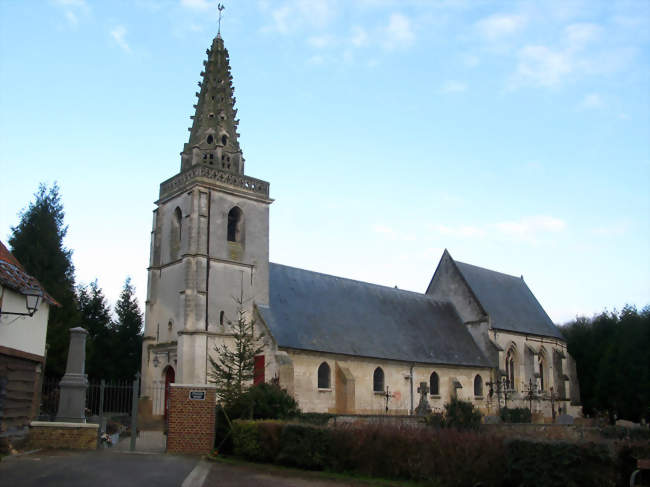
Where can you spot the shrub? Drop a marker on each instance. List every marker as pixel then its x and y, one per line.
pixel 462 415
pixel 516 415
pixel 436 420
pixel 558 464
pixel 319 419
pixel 303 446
pixel 264 401
pixel 246 440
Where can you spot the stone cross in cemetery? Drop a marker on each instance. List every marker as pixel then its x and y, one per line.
pixel 423 407
pixel 73 385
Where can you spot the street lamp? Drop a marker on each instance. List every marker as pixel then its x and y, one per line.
pixel 33 296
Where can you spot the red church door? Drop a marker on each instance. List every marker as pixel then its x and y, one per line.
pixel 170 377
pixel 258 370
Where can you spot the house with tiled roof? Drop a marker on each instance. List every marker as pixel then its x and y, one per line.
pixel 24 312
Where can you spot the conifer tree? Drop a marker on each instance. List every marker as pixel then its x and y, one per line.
pixel 233 369
pixel 127 343
pixel 96 319
pixel 37 242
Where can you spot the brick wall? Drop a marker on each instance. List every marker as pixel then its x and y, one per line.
pixel 191 421
pixel 73 436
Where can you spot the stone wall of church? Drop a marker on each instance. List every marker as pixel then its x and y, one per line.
pixel 448 285
pixel 360 371
pixel 544 363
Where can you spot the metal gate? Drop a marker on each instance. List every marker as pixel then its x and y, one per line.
pixel 114 406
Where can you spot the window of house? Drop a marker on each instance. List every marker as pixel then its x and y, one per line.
pixel 478 386
pixel 378 380
pixel 434 389
pixel 235 225
pixel 324 376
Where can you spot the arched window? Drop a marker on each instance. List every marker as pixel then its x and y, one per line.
pixel 235 225
pixel 510 369
pixel 541 373
pixel 175 234
pixel 433 384
pixel 478 385
pixel 324 376
pixel 178 220
pixel 378 380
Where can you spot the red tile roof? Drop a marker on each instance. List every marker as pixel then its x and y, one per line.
pixel 12 275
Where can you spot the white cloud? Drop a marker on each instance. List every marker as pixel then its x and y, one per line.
pixel 398 32
pixel 320 41
pixel 453 87
pixel 501 25
pixel 460 231
pixel 542 66
pixel 294 14
pixel 592 100
pixel 72 9
pixel 71 17
pixel 612 230
pixel 359 36
pixel 579 35
pixel 199 4
pixel 393 234
pixel 470 60
pixel 118 34
pixel 529 228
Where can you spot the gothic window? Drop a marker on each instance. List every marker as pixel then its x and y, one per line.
pixel 235 225
pixel 224 139
pixel 178 220
pixel 210 139
pixel 175 234
pixel 433 384
pixel 510 368
pixel 378 380
pixel 478 386
pixel 541 373
pixel 324 376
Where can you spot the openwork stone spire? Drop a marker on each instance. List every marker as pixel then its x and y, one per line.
pixel 214 140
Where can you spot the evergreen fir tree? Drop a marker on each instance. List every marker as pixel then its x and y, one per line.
pixel 127 343
pixel 233 369
pixel 37 242
pixel 96 319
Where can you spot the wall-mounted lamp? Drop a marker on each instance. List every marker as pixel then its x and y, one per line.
pixel 33 297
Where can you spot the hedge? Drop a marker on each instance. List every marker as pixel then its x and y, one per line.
pixel 444 457
pixel 396 452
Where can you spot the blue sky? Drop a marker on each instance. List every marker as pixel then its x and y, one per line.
pixel 514 134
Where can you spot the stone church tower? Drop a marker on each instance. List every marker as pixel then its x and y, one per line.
pixel 210 236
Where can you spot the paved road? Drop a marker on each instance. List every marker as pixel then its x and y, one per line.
pixel 227 475
pixel 100 468
pixel 111 468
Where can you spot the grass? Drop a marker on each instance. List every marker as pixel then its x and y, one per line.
pixel 283 471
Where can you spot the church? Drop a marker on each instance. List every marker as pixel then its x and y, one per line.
pixel 336 345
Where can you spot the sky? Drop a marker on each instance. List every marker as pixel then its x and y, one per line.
pixel 515 134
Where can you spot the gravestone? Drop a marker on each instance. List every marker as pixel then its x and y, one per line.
pixel 565 419
pixel 423 407
pixel 73 385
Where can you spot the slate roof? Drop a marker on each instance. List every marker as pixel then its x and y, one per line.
pixel 13 276
pixel 509 302
pixel 323 313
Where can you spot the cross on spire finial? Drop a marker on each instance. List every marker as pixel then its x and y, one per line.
pixel 220 7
